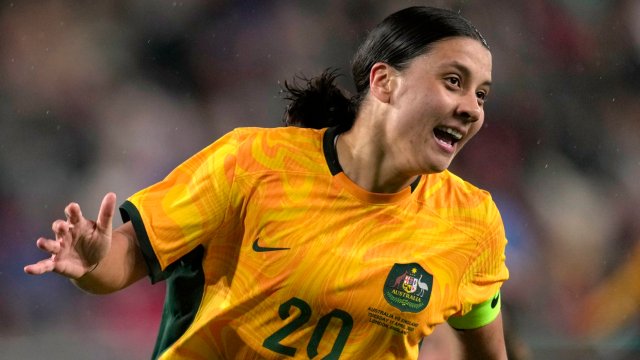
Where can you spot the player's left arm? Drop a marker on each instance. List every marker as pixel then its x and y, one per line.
pixel 486 342
pixel 480 330
pixel 478 336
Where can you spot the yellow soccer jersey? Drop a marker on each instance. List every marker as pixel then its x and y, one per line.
pixel 270 252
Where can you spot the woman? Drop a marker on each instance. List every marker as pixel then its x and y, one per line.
pixel 345 237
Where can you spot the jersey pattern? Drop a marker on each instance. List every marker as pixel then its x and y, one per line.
pixel 298 261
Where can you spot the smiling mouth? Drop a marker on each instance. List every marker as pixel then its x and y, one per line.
pixel 447 135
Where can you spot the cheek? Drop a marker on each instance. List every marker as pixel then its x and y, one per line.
pixel 413 125
pixel 420 133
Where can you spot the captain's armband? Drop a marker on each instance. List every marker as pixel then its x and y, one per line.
pixel 479 316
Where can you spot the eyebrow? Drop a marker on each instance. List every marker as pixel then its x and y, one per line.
pixel 465 70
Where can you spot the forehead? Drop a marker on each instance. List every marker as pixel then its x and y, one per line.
pixel 459 52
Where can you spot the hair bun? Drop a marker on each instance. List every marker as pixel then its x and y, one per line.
pixel 317 103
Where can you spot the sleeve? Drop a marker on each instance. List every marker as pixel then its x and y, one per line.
pixel 484 276
pixel 183 211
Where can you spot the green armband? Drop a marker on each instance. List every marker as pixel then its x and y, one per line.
pixel 479 316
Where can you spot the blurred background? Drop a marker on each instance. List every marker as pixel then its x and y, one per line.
pixel 112 95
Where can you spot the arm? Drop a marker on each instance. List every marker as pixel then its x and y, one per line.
pixel 122 266
pixel 480 330
pixel 96 258
pixel 486 342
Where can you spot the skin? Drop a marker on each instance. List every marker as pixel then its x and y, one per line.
pixel 486 342
pixel 96 258
pixel 391 142
pixel 446 343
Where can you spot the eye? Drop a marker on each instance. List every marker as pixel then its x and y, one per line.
pixel 453 80
pixel 482 97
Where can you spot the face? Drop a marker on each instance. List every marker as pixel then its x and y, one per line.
pixel 436 104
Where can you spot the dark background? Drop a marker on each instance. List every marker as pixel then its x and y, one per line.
pixel 110 96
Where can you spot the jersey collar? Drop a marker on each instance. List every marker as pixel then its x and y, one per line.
pixel 331 154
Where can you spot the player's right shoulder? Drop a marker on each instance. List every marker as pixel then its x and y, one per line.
pixel 277 132
pixel 280 137
pixel 280 148
pixel 238 138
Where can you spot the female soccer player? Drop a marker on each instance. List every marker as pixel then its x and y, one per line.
pixel 344 237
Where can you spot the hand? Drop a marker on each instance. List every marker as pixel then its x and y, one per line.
pixel 80 243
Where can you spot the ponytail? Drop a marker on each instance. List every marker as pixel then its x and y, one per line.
pixel 318 103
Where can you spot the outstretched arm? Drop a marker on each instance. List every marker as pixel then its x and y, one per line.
pixel 96 258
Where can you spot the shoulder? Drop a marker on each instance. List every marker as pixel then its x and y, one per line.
pixel 454 198
pixel 451 189
pixel 277 148
pixel 289 135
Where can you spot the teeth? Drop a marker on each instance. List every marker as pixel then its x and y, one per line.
pixel 457 135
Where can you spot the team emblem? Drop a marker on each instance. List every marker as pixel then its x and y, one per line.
pixel 408 287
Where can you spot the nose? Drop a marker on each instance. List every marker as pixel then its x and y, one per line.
pixel 470 108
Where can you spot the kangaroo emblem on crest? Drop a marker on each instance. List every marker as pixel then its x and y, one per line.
pixel 399 280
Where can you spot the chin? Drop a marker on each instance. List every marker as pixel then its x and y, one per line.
pixel 437 168
pixel 436 162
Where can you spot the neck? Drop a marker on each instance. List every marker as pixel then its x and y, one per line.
pixel 364 158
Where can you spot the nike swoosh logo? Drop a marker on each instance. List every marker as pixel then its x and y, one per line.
pixel 494 302
pixel 258 248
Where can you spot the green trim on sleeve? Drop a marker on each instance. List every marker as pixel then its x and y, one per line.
pixel 129 212
pixel 479 316
pixel 185 283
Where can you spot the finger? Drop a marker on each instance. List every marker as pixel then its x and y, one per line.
pixel 73 212
pixel 48 245
pixel 41 267
pixel 60 228
pixel 107 209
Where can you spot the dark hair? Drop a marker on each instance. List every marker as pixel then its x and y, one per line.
pixel 318 103
pixel 397 40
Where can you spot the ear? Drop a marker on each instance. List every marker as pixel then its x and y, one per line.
pixel 380 81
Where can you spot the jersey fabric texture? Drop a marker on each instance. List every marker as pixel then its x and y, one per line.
pixel 270 251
